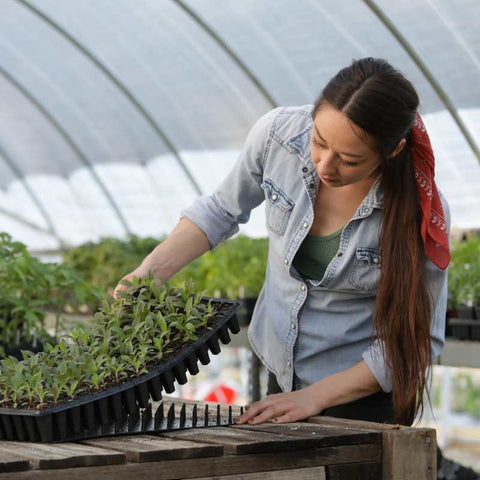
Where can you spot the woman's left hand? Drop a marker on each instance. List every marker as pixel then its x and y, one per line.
pixel 282 408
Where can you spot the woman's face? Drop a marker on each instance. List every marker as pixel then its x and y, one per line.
pixel 342 152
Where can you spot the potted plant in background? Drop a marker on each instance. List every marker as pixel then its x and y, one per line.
pixel 235 269
pixel 102 264
pixel 463 315
pixel 30 290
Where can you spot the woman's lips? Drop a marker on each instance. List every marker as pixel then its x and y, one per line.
pixel 327 179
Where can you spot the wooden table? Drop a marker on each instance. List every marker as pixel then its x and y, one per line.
pixel 322 448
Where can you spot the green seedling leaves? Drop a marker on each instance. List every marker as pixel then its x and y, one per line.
pixel 147 325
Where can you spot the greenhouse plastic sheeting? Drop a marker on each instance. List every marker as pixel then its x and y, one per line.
pixel 117 114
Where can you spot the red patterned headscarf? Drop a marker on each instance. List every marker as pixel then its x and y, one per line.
pixel 433 227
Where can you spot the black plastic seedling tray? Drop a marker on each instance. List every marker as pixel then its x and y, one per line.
pixel 158 417
pixel 86 416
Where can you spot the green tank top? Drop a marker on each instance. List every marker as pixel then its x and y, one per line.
pixel 315 253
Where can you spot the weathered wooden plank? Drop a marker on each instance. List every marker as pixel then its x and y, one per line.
pixel 148 448
pixel 239 442
pixel 355 471
pixel 315 473
pixel 10 462
pixel 356 424
pixel 325 437
pixel 410 455
pixel 48 456
pixel 212 466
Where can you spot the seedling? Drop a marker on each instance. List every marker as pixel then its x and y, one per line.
pixel 148 325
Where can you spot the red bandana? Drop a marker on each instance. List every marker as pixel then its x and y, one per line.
pixel 433 228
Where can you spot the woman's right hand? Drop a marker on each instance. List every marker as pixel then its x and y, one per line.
pixel 138 272
pixel 184 244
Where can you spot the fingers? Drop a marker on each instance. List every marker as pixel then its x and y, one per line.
pixel 268 414
pixel 280 408
pixel 119 288
pixel 116 292
pixel 263 410
pixel 289 417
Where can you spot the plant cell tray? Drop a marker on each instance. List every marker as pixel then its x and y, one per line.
pixel 157 417
pixel 107 411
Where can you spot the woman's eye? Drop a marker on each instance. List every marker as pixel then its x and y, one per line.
pixel 344 162
pixel 349 164
pixel 318 144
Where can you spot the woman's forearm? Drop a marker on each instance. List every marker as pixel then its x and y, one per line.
pixel 185 243
pixel 343 387
pixel 347 386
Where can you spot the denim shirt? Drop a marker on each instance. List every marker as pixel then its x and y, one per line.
pixel 306 329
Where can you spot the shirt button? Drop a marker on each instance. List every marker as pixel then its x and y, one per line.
pixel 305 225
pixel 274 197
pixel 286 261
pixel 294 326
pixel 339 254
pixel 289 363
pixel 312 186
pixel 375 260
pixel 304 169
pixel 366 209
pixel 303 288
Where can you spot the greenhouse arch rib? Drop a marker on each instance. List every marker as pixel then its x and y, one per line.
pixel 236 59
pixel 51 230
pixel 128 94
pixel 426 72
pixel 63 133
pixel 30 224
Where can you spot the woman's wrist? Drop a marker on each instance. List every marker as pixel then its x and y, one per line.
pixel 152 266
pixel 317 393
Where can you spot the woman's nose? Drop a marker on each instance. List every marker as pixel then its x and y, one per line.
pixel 327 163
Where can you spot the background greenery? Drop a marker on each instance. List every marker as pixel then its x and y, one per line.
pixel 235 269
pixel 30 289
pixel 464 273
pixel 104 263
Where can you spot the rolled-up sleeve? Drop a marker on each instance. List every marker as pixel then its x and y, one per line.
pixel 437 285
pixel 219 214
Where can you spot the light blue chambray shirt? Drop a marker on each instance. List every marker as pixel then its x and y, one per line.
pixel 310 328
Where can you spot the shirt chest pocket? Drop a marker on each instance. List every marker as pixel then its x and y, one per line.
pixel 366 269
pixel 278 207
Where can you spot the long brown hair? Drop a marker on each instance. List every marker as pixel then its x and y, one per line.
pixel 381 101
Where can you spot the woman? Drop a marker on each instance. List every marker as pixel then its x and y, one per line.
pixel 353 307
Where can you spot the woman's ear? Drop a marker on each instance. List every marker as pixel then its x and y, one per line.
pixel 398 148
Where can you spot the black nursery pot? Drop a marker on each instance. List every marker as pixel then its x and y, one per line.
pixel 244 312
pixel 475 328
pixel 17 351
pixel 451 313
pixel 465 312
pixel 105 412
pixel 461 323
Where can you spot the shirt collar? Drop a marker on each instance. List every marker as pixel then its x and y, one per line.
pixel 300 144
pixel 374 197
